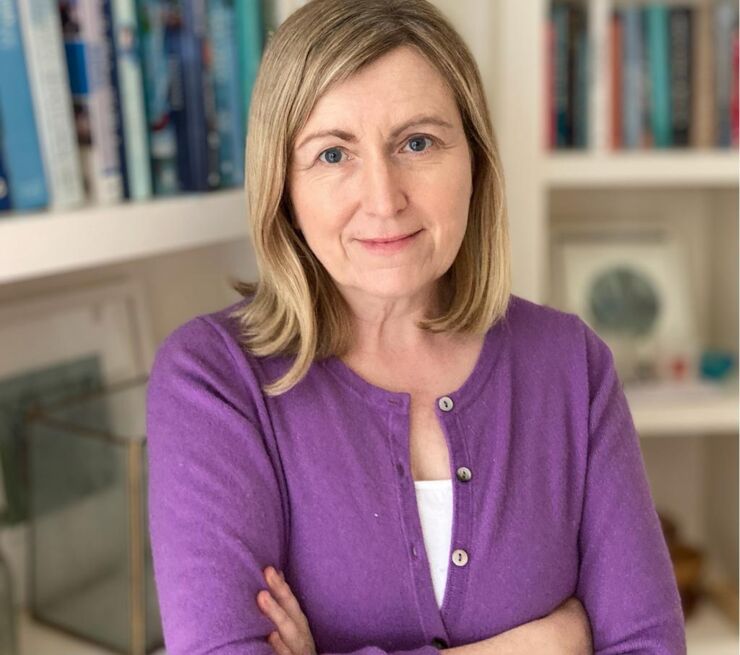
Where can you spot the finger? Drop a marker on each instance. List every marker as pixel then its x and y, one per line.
pixel 284 595
pixel 277 643
pixel 287 627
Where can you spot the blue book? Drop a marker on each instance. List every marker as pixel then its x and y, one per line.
pixel 561 20
pixel 5 203
pixel 227 90
pixel 162 90
pixel 21 150
pixel 660 75
pixel 191 126
pixel 632 87
pixel 112 68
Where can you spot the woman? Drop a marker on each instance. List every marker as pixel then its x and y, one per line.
pixel 433 462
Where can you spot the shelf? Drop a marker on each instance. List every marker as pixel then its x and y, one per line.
pixel 683 409
pixel 708 632
pixel 45 243
pixel 642 169
pixel 36 638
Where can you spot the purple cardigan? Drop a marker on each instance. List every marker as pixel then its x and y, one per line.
pixel 551 497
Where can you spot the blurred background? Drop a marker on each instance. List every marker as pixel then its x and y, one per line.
pixel 122 215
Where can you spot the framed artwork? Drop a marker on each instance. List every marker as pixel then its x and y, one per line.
pixel 54 347
pixel 631 286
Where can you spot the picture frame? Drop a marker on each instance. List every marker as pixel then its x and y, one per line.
pixel 630 283
pixel 56 346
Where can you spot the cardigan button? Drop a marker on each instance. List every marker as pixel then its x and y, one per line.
pixel 445 403
pixel 464 474
pixel 459 557
pixel 439 643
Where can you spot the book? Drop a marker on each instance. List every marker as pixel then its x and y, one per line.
pixel 659 66
pixel 616 36
pixel 52 101
pixel 133 112
pixel 632 79
pixel 5 203
pixel 679 21
pixel 21 148
pixel 227 90
pixel 250 27
pixel 88 54
pixel 159 26
pixel 702 131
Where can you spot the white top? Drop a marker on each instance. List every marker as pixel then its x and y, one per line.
pixel 434 499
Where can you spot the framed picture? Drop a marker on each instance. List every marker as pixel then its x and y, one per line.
pixel 631 286
pixel 55 347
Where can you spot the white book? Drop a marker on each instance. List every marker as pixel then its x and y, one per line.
pixel 600 74
pixel 105 167
pixel 52 101
pixel 131 86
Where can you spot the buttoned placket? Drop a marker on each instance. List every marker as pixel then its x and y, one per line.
pixel 458 570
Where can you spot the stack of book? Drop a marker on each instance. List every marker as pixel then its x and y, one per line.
pixel 632 76
pixel 109 100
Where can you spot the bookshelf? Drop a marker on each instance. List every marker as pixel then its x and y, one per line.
pixel 183 248
pixel 689 441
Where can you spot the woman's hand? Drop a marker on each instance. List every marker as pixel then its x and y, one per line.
pixel 293 635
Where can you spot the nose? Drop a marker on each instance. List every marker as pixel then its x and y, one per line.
pixel 383 193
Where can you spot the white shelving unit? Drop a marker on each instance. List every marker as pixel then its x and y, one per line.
pixel 183 249
pixel 693 465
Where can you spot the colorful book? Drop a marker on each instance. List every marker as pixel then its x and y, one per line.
pixel 52 101
pixel 5 203
pixel 250 27
pixel 131 87
pixel 21 148
pixel 159 25
pixel 88 55
pixel 227 89
pixel 632 79
pixel 679 22
pixel 659 63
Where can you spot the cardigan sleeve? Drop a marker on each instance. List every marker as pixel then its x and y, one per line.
pixel 214 501
pixel 626 581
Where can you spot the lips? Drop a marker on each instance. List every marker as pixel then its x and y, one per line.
pixel 390 239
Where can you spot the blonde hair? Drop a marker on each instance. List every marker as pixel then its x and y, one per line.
pixel 296 308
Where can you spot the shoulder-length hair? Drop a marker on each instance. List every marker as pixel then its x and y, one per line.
pixel 296 309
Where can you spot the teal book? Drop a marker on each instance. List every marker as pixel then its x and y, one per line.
pixel 21 148
pixel 659 62
pixel 250 39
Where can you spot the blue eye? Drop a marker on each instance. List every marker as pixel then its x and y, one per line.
pixel 333 154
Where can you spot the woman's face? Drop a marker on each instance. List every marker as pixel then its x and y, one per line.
pixel 383 155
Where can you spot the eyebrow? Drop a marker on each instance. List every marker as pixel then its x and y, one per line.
pixel 425 119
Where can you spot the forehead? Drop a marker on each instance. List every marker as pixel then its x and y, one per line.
pixel 398 83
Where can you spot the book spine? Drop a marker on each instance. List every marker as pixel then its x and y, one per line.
pixel 250 40
pixel 615 100
pixel 128 66
pixel 581 84
pixel 42 39
pixel 85 48
pixel 22 152
pixel 191 137
pixel 646 131
pixel 160 76
pixel 549 136
pixel 725 18
pixel 227 93
pixel 702 131
pixel 600 73
pixel 5 202
pixel 632 82
pixel 735 102
pixel 210 112
pixel 562 105
pixel 111 77
pixel 680 58
pixel 659 70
